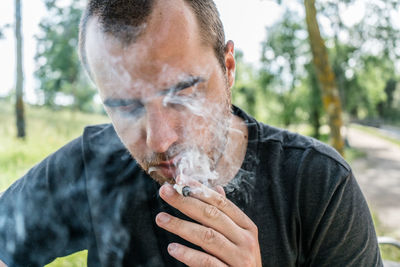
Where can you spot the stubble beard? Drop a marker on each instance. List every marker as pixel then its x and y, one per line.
pixel 218 124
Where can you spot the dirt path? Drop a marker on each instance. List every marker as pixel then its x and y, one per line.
pixel 379 176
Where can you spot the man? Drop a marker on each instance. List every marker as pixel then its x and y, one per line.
pixel 164 74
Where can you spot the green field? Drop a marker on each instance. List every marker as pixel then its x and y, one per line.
pixel 49 130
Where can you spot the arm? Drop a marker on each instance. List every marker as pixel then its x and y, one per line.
pixel 345 234
pixel 2 264
pixel 335 222
pixel 43 214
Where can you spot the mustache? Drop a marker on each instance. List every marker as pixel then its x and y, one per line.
pixel 157 158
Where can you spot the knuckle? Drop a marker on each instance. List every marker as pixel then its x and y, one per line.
pixel 251 226
pixel 249 241
pixel 221 202
pixel 211 212
pixel 246 259
pixel 254 229
pixel 207 262
pixel 208 236
pixel 247 262
pixel 253 246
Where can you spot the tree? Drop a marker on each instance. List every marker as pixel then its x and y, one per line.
pixel 382 30
pixel 283 52
pixel 19 104
pixel 59 71
pixel 314 100
pixel 244 91
pixel 326 77
pixel 372 51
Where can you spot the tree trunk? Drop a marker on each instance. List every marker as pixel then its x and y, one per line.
pixel 315 122
pixel 326 77
pixel 19 104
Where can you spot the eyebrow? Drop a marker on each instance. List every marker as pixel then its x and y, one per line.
pixel 186 83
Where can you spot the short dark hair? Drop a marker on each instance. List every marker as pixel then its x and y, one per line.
pixel 122 18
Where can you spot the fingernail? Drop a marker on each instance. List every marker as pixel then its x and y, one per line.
pixel 163 218
pixel 172 248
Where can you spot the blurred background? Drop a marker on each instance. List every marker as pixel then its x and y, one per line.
pixel 329 69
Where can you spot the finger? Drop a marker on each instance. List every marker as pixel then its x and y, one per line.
pixel 196 185
pixel 204 213
pixel 192 257
pixel 207 238
pixel 220 190
pixel 213 198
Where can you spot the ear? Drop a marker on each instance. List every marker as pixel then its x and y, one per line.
pixel 230 63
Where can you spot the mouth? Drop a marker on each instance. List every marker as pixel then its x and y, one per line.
pixel 166 169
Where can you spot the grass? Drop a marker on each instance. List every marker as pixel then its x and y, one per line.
pixel 388 252
pixel 49 130
pixel 46 132
pixel 351 154
pixel 75 260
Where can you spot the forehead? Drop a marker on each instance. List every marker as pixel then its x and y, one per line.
pixel 168 48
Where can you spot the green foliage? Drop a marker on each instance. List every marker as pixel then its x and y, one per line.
pixel 245 90
pixel 287 79
pixel 364 64
pixel 59 71
pixel 363 57
pixel 373 80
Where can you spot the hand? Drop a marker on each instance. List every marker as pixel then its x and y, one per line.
pixel 226 234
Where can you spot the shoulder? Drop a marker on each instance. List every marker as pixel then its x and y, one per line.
pixel 105 155
pixel 289 157
pixel 302 148
pixel 301 165
pixel 102 139
pixel 95 133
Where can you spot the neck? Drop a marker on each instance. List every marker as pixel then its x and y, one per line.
pixel 235 151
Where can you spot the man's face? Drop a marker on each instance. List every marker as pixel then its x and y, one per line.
pixel 166 93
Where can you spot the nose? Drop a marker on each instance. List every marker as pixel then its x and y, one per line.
pixel 160 130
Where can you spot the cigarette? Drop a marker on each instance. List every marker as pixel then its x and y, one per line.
pixel 184 190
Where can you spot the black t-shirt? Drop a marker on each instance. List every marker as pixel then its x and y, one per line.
pixel 92 195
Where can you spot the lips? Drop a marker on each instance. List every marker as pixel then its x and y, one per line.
pixel 166 168
pixel 168 171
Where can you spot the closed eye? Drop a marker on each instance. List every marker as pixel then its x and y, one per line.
pixel 132 110
pixel 183 86
pixel 125 107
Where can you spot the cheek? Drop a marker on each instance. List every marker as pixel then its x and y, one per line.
pixel 130 132
pixel 198 130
